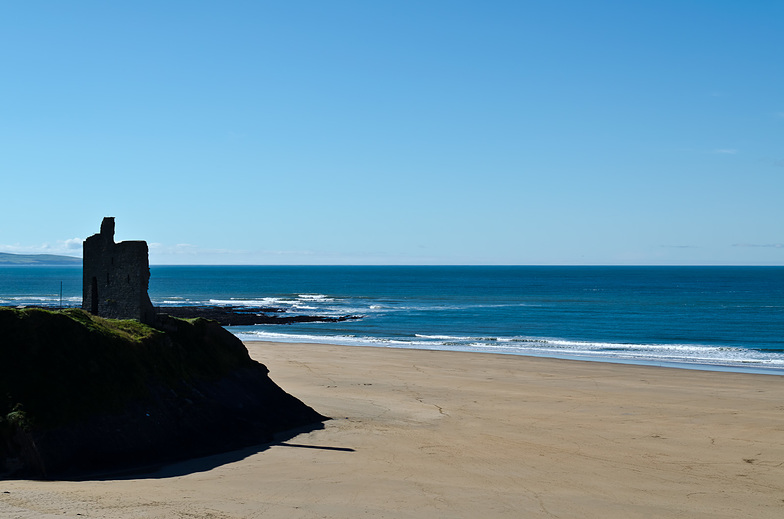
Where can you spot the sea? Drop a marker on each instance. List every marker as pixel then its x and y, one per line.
pixel 715 318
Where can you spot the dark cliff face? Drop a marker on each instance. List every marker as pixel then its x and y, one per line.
pixel 80 393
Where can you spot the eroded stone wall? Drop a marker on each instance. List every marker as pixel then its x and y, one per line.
pixel 116 277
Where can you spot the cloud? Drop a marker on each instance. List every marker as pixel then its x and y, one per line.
pixel 187 249
pixel 768 245
pixel 15 248
pixel 73 243
pixel 726 151
pixel 69 247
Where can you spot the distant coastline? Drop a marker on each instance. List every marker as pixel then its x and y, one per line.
pixel 7 258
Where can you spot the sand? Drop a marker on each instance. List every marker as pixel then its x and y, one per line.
pixel 420 434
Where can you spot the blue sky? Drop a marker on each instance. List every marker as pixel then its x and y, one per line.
pixel 407 132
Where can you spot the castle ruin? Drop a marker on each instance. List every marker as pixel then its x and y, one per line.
pixel 116 276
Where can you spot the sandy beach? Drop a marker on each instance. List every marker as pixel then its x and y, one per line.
pixel 447 434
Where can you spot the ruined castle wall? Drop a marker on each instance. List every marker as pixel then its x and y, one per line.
pixel 116 277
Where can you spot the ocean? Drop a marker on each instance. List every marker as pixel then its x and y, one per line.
pixel 720 318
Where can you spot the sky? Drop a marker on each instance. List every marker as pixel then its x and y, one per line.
pixel 560 132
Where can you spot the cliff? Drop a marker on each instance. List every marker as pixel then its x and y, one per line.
pixel 80 393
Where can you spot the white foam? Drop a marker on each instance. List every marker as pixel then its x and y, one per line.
pixel 445 337
pixel 315 297
pixel 695 355
pixel 263 301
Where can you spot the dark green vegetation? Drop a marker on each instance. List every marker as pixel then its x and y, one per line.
pixel 37 259
pixel 80 393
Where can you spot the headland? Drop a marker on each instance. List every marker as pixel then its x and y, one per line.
pixel 81 394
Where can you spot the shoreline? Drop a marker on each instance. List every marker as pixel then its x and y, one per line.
pixel 698 356
pixel 684 365
pixel 422 433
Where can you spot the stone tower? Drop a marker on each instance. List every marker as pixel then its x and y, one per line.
pixel 115 277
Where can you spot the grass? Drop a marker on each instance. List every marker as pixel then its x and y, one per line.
pixel 57 367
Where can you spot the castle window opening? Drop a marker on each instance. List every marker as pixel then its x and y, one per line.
pixel 94 296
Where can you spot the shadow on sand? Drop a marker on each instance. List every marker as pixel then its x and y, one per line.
pixel 204 463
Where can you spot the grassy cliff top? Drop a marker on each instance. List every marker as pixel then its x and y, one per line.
pixel 79 393
pixel 60 366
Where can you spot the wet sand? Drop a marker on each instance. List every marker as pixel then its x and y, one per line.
pixel 422 434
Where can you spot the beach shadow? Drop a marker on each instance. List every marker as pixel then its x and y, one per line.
pixel 319 447
pixel 205 463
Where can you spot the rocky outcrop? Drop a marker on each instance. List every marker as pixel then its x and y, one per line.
pixel 80 393
pixel 248 316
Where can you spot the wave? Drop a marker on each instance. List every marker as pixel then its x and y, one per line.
pixel 46 301
pixel 325 304
pixel 315 297
pixel 263 301
pixel 682 355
